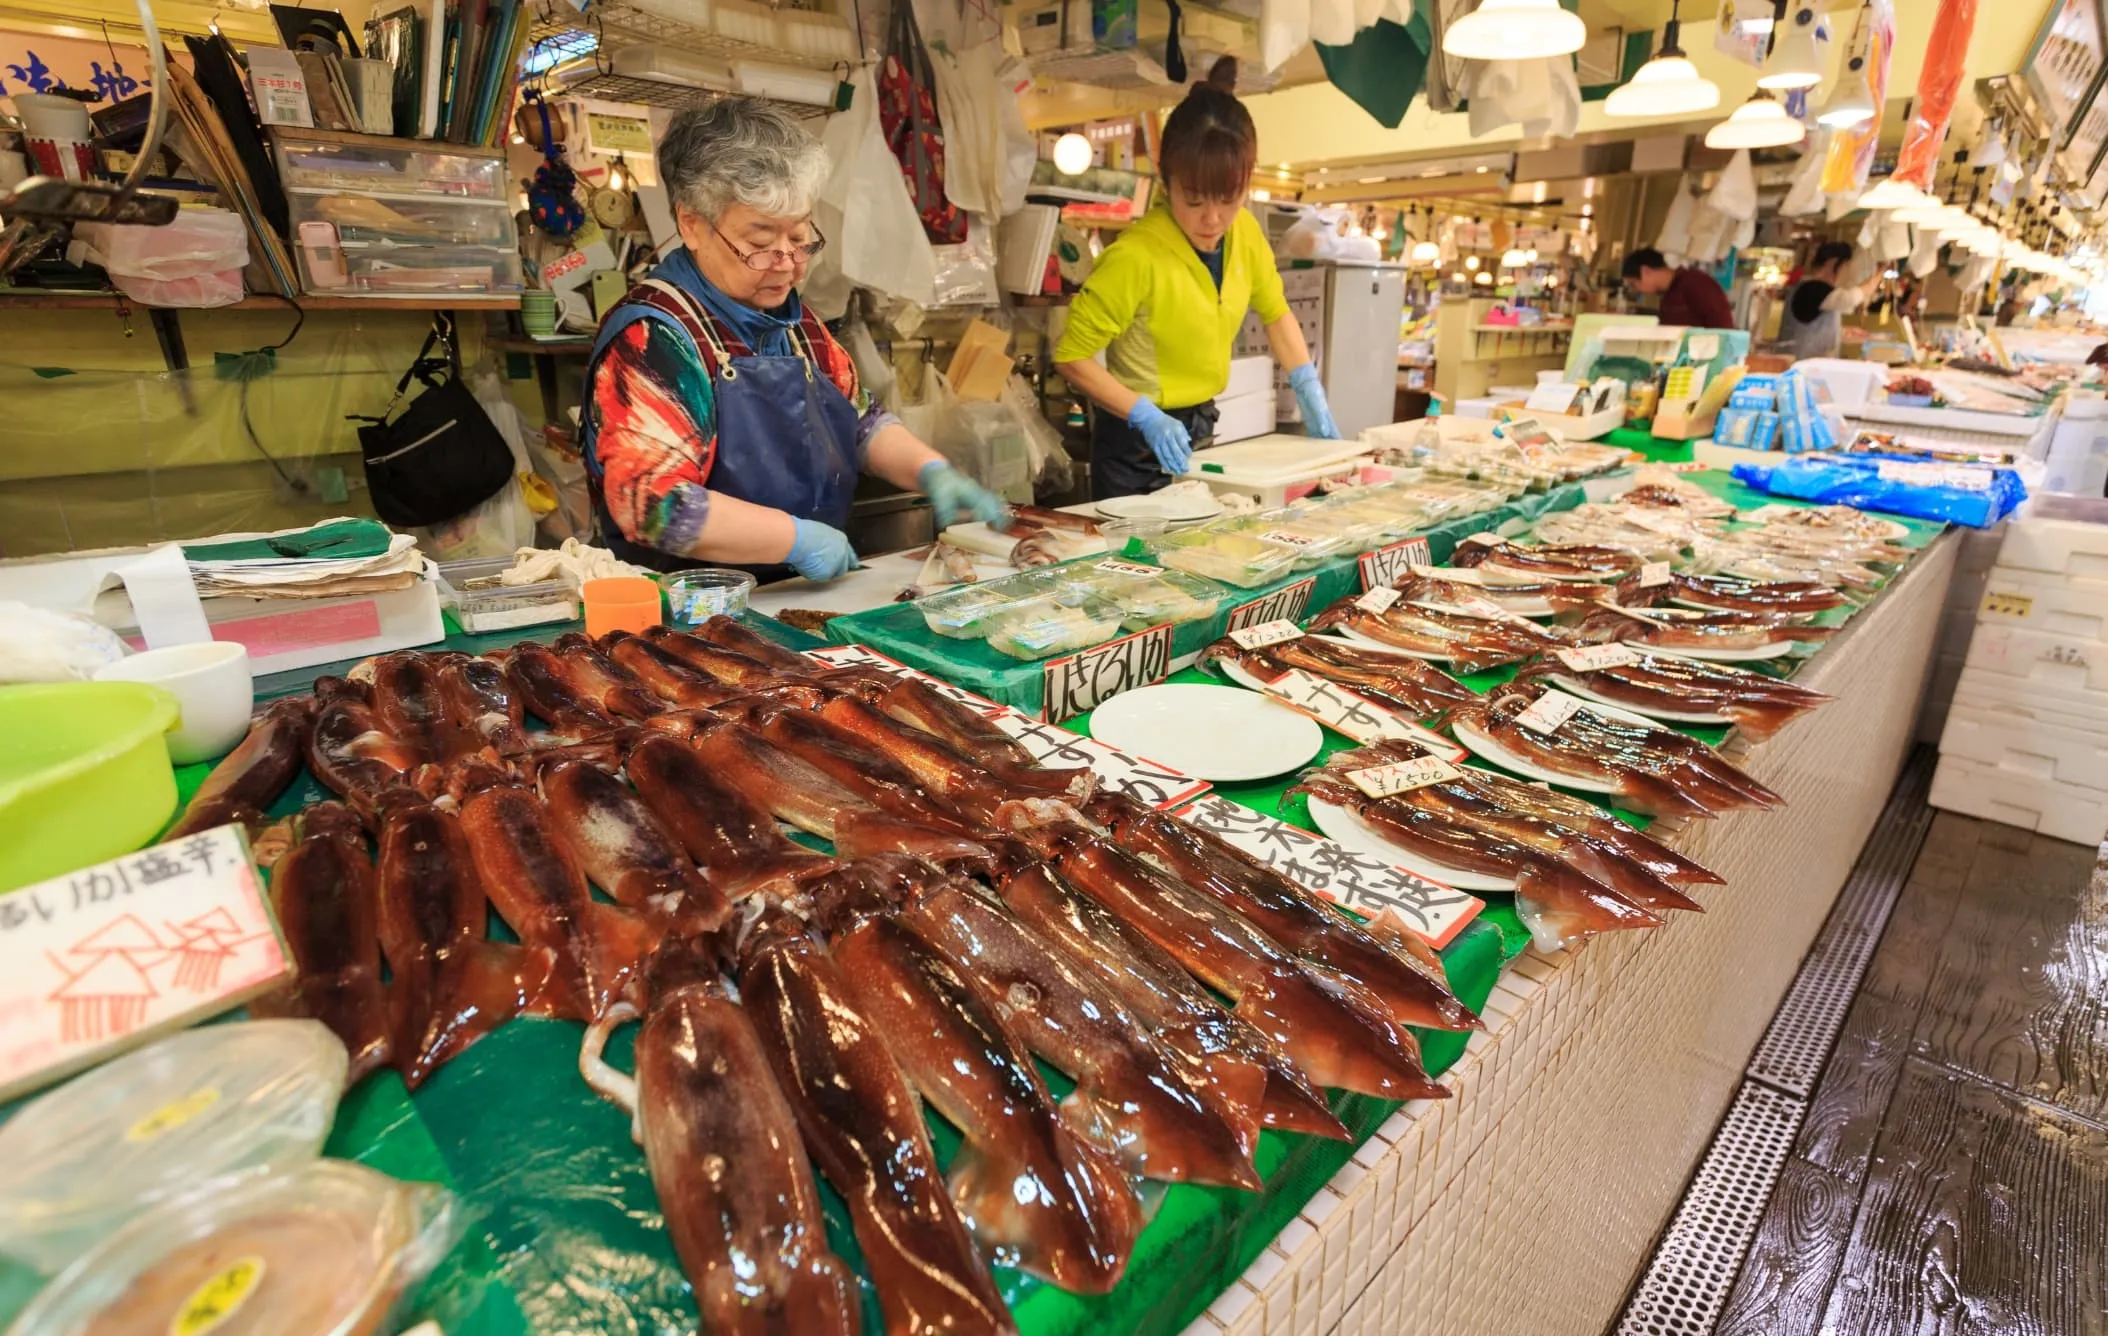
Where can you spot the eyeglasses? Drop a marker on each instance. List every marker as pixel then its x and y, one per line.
pixel 770 257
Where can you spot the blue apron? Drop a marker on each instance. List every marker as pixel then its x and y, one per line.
pixel 786 436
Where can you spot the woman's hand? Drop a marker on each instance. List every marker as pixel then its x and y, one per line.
pixel 1310 397
pixel 820 552
pixel 1168 439
pixel 956 497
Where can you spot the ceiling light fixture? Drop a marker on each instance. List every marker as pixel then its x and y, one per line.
pixel 1758 123
pixel 1794 62
pixel 1851 101
pixel 1513 259
pixel 1515 30
pixel 1073 154
pixel 1889 193
pixel 1426 252
pixel 1667 85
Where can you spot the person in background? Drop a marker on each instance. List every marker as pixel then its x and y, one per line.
pixel 723 425
pixel 1812 324
pixel 1689 296
pixel 1166 300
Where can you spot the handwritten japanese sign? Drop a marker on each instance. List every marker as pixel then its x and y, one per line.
pixel 1080 682
pixel 1384 565
pixel 859 656
pixel 1265 633
pixel 1549 711
pixel 105 958
pixel 1654 574
pixel 1591 658
pixel 1381 781
pixel 1352 880
pixel 1283 605
pixel 1343 711
pixel 1378 600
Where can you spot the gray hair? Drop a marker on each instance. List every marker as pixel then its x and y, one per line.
pixel 742 150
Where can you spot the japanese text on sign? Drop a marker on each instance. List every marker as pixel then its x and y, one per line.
pixel 1381 781
pixel 1355 881
pixel 1384 565
pixel 1266 633
pixel 2004 603
pixel 1289 538
pixel 1345 712
pixel 1378 601
pixel 1283 605
pixel 1114 567
pixel 1592 658
pixel 1080 681
pixel 1549 711
pixel 1138 777
pixel 1654 574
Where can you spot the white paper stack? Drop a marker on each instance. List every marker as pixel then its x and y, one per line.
pixel 401 566
pixel 2026 741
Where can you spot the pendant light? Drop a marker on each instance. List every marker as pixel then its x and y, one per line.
pixel 1667 85
pixel 1073 154
pixel 1758 123
pixel 1851 101
pixel 1794 61
pixel 1514 259
pixel 1426 252
pixel 1889 193
pixel 1515 30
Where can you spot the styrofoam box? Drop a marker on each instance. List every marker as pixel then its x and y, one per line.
pixel 1249 375
pixel 2044 658
pixel 2061 604
pixel 2060 811
pixel 2032 747
pixel 1239 417
pixel 2014 698
pixel 2058 547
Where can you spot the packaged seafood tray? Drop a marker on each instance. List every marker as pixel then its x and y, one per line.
pixel 1241 559
pixel 1145 596
pixel 962 613
pixel 1040 628
pixel 481 604
pixel 1315 538
pixel 1389 512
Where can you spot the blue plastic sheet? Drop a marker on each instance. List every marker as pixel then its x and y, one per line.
pixel 1977 495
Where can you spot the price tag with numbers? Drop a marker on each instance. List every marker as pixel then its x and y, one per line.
pixel 1550 710
pixel 1080 682
pixel 1592 658
pixel 1383 566
pixel 1112 566
pixel 1266 633
pixel 1377 600
pixel 1345 712
pixel 1654 574
pixel 1283 605
pixel 1290 539
pixel 1381 781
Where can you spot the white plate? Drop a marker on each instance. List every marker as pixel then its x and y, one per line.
pixel 1801 619
pixel 1346 828
pixel 1486 749
pixel 1148 507
pixel 1224 734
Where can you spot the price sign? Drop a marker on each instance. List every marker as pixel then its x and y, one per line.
pixel 618 134
pixel 1468 575
pixel 1138 777
pixel 1283 605
pixel 1115 567
pixel 1381 781
pixel 1654 574
pixel 1079 682
pixel 2005 603
pixel 1549 711
pixel 1290 539
pixel 1378 601
pixel 101 960
pixel 1367 885
pixel 1384 565
pixel 1266 633
pixel 1596 657
pixel 1363 720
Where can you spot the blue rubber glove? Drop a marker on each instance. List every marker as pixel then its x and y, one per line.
pixel 1310 397
pixel 820 551
pixel 956 497
pixel 1168 439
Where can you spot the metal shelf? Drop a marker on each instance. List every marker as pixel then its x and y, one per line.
pixel 614 20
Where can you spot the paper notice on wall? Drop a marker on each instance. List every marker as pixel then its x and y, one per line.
pixel 279 87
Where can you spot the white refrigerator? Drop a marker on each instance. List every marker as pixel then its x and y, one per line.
pixel 1350 315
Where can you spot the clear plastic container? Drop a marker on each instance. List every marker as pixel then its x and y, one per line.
pixel 1145 596
pixel 694 597
pixel 363 221
pixel 200 1105
pixel 388 166
pixel 1039 628
pixel 1234 558
pixel 962 613
pixel 1315 543
pixel 408 271
pixel 470 589
pixel 323 1249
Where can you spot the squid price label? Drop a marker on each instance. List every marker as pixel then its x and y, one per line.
pixel 1654 574
pixel 1594 657
pixel 1383 566
pixel 1266 633
pixel 1353 880
pixel 1134 568
pixel 1288 538
pixel 1378 601
pixel 1364 721
pixel 1081 681
pixel 1283 605
pixel 1381 781
pixel 1549 711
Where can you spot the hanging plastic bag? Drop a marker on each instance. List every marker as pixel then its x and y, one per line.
pixel 887 248
pixel 1851 152
pixel 1052 469
pixel 1939 80
pixel 1314 236
pixel 1020 146
pixel 562 470
pixel 1894 241
pixel 873 372
pixel 1675 238
pixel 1284 29
pixel 1870 231
pixel 1925 251
pixel 1735 195
pixel 1332 22
pixel 1542 96
pixel 971 101
pixel 1804 193
pixel 907 109
pixel 966 272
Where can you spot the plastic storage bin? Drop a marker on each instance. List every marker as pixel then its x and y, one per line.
pixel 470 590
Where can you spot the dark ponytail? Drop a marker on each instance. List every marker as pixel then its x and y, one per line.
pixel 1210 144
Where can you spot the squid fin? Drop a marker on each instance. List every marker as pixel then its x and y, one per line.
pixel 1560 906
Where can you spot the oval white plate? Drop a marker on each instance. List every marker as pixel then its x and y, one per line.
pixel 1147 507
pixel 1803 617
pixel 1346 828
pixel 1224 734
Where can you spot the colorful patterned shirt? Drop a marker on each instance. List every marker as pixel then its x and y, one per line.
pixel 655 426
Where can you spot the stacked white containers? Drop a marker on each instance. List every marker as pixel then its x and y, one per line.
pixel 2078 451
pixel 2026 741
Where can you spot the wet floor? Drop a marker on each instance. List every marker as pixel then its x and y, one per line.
pixel 1951 1173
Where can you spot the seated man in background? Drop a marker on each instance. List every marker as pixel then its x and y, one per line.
pixel 1689 295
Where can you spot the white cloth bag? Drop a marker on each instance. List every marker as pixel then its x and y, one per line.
pixel 885 248
pixel 1542 96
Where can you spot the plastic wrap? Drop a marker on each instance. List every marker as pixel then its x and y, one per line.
pixel 1851 152
pixel 1976 495
pixel 1939 80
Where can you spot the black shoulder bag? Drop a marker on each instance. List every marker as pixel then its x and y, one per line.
pixel 442 457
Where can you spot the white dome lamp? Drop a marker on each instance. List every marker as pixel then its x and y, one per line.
pixel 1515 30
pixel 1794 61
pixel 1758 123
pixel 1667 85
pixel 1889 193
pixel 1426 252
pixel 1073 154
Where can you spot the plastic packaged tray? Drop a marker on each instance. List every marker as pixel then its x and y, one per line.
pixel 482 605
pixel 1314 540
pixel 1145 596
pixel 323 1249
pixel 201 1105
pixel 1040 628
pixel 962 613
pixel 1233 558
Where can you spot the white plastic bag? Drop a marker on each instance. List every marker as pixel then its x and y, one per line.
pixel 1314 236
pixel 886 248
pixel 1735 194
pixel 1542 96
pixel 1284 29
pixel 1675 238
pixel 965 273
pixel 1925 251
pixel 1894 242
pixel 43 645
pixel 971 102
pixel 873 372
pixel 1332 21
pixel 1804 193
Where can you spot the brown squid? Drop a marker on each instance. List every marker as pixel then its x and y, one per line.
pixel 324 892
pixel 250 778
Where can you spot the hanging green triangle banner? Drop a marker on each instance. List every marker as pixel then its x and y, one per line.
pixel 1383 68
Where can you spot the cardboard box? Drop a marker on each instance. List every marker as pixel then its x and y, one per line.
pixel 980 367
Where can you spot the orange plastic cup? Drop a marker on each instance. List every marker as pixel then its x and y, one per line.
pixel 621 603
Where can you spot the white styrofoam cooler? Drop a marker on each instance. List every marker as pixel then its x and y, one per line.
pixel 2018 698
pixel 2061 811
pixel 2056 547
pixel 1249 375
pixel 2042 658
pixel 2045 749
pixel 2061 604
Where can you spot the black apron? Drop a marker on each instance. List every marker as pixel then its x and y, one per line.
pixel 1122 464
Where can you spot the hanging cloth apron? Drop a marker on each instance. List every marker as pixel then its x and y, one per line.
pixel 1820 337
pixel 786 436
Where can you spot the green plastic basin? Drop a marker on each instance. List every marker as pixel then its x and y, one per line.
pixel 84 775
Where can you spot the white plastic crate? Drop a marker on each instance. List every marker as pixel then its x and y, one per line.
pixel 2042 658
pixel 2056 547
pixel 2046 749
pixel 2061 811
pixel 2037 602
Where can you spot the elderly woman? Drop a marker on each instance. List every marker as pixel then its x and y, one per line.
pixel 723 424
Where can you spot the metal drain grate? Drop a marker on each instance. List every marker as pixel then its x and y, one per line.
pixel 1693 1270
pixel 1798 1040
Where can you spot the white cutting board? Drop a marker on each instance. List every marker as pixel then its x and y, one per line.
pixel 1269 461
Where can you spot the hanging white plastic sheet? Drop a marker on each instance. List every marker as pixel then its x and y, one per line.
pixel 887 248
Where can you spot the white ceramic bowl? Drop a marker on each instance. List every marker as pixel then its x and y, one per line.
pixel 211 683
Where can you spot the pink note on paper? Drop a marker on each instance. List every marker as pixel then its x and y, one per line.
pixel 307 628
